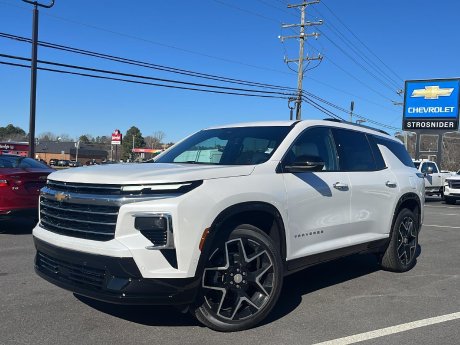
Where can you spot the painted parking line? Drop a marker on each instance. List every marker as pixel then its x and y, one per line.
pixel 447 214
pixel 392 330
pixel 441 226
pixel 458 208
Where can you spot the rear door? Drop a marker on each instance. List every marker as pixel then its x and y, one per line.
pixel 318 203
pixel 374 188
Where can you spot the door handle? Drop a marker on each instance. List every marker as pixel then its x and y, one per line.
pixel 340 186
pixel 391 184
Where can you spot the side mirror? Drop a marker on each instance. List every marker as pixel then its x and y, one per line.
pixel 305 164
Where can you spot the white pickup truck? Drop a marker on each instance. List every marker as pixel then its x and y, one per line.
pixel 434 178
pixel 452 189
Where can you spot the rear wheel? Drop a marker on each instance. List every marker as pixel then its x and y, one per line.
pixel 241 281
pixel 400 256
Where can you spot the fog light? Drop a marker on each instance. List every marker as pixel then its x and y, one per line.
pixel 157 228
pixel 151 223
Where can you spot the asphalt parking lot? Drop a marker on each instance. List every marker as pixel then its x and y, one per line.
pixel 350 298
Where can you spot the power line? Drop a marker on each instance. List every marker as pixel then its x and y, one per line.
pixel 325 57
pixel 358 63
pixel 144 64
pixel 258 92
pixel 141 76
pixel 335 106
pixel 362 43
pixel 94 27
pixel 365 58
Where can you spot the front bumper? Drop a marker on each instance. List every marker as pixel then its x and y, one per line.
pixel 109 279
pixel 452 192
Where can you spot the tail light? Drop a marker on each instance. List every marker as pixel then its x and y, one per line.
pixel 3 183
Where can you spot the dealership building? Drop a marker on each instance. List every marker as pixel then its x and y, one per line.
pixel 48 150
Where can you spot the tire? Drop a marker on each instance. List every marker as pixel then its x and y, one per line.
pixel 241 281
pixel 449 200
pixel 400 255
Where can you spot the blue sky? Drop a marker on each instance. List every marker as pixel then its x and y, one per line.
pixel 417 39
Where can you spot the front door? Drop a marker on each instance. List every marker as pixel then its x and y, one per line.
pixel 318 203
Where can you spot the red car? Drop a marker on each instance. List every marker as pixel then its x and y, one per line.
pixel 21 179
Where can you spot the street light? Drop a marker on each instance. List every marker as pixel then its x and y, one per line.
pixel 33 74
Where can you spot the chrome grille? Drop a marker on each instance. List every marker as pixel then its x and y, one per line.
pixel 84 188
pixel 93 222
pixel 454 184
pixel 88 277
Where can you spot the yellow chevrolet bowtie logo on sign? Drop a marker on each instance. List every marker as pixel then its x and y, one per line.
pixel 432 92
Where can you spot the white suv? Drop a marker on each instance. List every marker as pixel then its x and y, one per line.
pixel 217 221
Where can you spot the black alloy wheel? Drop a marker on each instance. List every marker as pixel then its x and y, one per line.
pixel 401 253
pixel 241 281
pixel 407 240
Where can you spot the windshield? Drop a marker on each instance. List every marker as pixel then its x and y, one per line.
pixel 227 146
pixel 20 162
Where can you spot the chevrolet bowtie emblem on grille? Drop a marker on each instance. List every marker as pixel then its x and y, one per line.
pixel 61 197
pixel 432 92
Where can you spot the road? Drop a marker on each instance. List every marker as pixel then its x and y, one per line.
pixel 326 303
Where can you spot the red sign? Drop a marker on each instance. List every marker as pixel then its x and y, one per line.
pixel 14 148
pixel 116 137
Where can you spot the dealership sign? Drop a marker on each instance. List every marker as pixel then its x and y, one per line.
pixel 116 137
pixel 431 104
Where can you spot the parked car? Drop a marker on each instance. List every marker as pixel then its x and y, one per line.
pixel 21 179
pixel 53 162
pixel 74 164
pixel 63 163
pixel 216 222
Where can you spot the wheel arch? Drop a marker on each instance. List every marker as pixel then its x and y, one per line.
pixel 412 202
pixel 263 215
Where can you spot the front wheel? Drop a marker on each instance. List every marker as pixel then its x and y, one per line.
pixel 241 281
pixel 400 256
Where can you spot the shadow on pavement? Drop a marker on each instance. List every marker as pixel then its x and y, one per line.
pixel 144 315
pixel 21 226
pixel 429 199
pixel 319 277
pixel 295 286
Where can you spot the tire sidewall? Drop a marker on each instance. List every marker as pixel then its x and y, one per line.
pixel 404 213
pixel 213 321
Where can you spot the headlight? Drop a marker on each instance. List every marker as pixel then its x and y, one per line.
pixel 174 188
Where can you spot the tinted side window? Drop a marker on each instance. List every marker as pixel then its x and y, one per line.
pixel 379 161
pixel 397 149
pixel 355 153
pixel 425 167
pixel 315 142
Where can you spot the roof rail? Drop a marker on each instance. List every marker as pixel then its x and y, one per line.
pixel 356 124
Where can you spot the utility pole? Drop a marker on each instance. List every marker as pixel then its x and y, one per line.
pixel 300 61
pixel 352 107
pixel 33 73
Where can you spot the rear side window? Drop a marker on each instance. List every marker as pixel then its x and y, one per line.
pixel 355 153
pixel 397 149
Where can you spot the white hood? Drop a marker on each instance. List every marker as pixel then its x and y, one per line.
pixel 148 173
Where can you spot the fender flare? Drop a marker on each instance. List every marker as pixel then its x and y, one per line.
pixel 232 211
